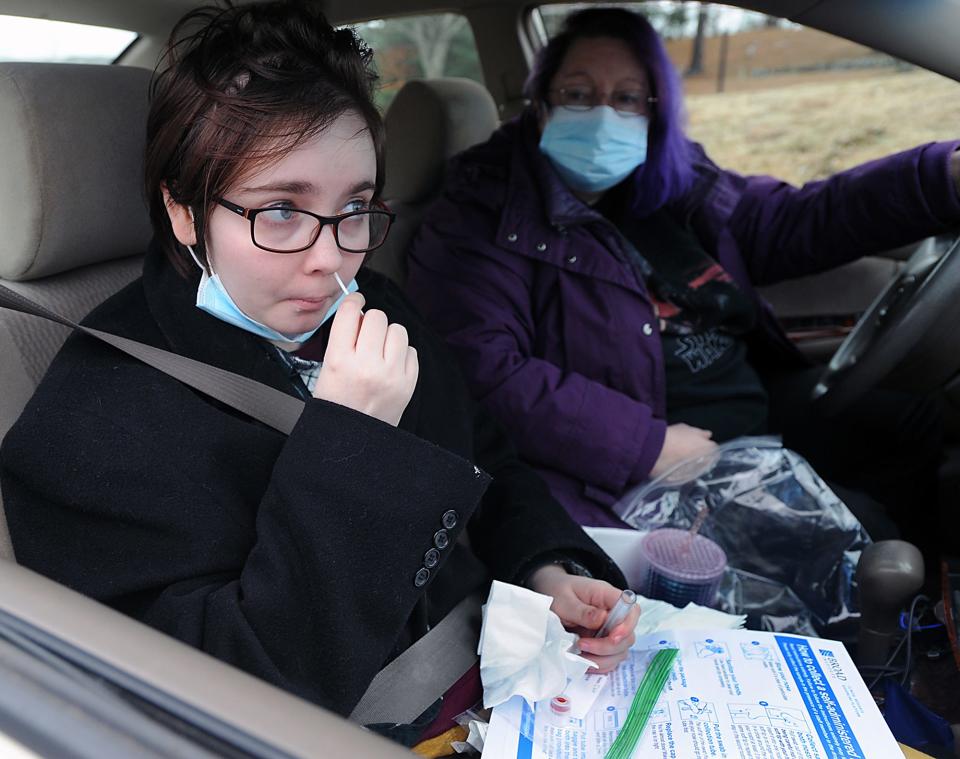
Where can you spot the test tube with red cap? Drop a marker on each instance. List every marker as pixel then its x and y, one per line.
pixel 618 613
pixel 560 704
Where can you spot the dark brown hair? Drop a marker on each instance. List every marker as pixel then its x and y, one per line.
pixel 239 86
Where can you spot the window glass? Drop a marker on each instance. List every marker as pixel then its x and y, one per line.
pixel 766 96
pixel 410 47
pixel 32 39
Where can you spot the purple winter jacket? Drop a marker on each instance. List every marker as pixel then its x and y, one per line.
pixel 557 335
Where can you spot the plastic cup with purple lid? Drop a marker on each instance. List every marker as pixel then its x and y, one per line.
pixel 683 566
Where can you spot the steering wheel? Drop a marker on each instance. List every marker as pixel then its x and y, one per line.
pixel 909 337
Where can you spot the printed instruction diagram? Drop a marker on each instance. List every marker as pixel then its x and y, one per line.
pixel 768 716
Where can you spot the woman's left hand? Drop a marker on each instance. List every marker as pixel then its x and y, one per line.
pixel 582 604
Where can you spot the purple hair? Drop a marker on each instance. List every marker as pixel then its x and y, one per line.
pixel 668 171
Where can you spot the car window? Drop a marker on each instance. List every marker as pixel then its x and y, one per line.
pixel 410 47
pixel 766 96
pixel 31 39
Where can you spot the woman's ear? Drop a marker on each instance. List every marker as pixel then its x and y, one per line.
pixel 181 219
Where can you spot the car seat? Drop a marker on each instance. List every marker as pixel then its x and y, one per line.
pixel 428 122
pixel 72 213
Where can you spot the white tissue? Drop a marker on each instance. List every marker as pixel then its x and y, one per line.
pixel 474 742
pixel 659 615
pixel 524 650
pixel 477 734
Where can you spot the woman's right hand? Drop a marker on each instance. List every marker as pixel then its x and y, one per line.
pixel 682 442
pixel 368 365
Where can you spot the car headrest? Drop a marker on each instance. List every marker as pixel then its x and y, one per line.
pixel 428 122
pixel 71 173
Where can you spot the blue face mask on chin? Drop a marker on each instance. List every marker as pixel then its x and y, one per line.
pixel 595 149
pixel 213 298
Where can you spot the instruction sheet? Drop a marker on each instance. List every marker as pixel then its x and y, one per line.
pixel 732 693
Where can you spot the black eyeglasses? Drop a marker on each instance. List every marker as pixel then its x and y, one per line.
pixel 626 103
pixel 289 230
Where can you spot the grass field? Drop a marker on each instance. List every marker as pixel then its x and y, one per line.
pixel 804 131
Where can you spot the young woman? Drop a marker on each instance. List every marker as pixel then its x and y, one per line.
pixel 594 271
pixel 310 560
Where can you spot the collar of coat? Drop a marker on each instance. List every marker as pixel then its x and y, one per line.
pixel 193 333
pixel 533 175
pixel 536 208
pixel 538 216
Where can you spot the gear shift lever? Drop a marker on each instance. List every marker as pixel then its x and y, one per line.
pixel 890 573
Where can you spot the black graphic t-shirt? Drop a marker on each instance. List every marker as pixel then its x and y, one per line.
pixel 704 317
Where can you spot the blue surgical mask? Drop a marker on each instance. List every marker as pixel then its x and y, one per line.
pixel 213 298
pixel 595 149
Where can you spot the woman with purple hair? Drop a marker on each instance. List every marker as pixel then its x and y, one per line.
pixel 594 271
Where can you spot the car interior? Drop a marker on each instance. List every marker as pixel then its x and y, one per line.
pixel 74 230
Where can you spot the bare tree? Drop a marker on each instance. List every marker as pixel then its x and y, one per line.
pixel 432 37
pixel 696 55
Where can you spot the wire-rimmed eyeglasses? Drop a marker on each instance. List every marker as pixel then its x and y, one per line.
pixel 281 229
pixel 627 103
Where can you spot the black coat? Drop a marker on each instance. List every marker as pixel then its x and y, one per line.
pixel 293 558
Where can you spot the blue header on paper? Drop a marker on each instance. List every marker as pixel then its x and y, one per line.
pixel 525 744
pixel 828 718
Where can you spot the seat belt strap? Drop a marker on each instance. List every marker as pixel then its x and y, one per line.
pixel 262 402
pixel 403 689
pixel 409 684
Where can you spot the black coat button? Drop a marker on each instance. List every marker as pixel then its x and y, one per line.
pixel 431 558
pixel 449 519
pixel 420 579
pixel 440 539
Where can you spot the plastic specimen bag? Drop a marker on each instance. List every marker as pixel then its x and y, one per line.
pixel 792 545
